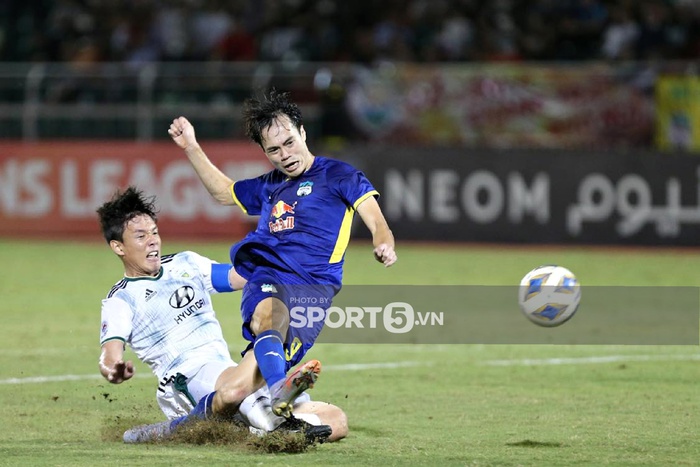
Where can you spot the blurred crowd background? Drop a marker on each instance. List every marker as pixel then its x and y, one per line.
pixel 360 31
pixel 489 73
pixel 503 120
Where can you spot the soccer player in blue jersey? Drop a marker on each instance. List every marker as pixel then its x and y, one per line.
pixel 295 255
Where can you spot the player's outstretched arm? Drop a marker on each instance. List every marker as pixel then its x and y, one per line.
pixel 216 182
pixel 382 238
pixel 235 280
pixel 112 366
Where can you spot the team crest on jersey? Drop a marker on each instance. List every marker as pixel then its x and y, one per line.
pixel 268 288
pixel 103 331
pixel 305 188
pixel 181 271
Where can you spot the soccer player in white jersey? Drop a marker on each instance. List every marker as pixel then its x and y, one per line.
pixel 162 309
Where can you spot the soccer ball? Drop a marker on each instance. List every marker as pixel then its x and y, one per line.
pixel 549 295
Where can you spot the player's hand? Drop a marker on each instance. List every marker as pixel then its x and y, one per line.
pixel 182 132
pixel 121 371
pixel 385 254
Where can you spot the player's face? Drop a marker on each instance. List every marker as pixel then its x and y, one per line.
pixel 140 249
pixel 285 147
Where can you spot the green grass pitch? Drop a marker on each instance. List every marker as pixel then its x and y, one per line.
pixel 420 405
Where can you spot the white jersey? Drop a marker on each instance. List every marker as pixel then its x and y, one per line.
pixel 167 320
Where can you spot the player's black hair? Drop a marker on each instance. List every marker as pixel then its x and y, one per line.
pixel 124 206
pixel 260 113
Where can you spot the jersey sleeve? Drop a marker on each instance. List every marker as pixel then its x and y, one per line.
pixel 214 275
pixel 116 320
pixel 354 187
pixel 247 195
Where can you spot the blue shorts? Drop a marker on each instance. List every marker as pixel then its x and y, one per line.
pixel 307 304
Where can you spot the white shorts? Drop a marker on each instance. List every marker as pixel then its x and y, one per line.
pixel 177 395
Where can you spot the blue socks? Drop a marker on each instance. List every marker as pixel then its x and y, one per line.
pixel 201 411
pixel 269 353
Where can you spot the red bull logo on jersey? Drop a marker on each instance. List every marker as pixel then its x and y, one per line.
pixel 282 208
pixel 278 210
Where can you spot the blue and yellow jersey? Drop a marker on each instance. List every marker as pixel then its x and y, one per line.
pixel 305 222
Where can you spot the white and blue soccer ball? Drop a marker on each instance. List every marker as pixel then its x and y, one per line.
pixel 549 295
